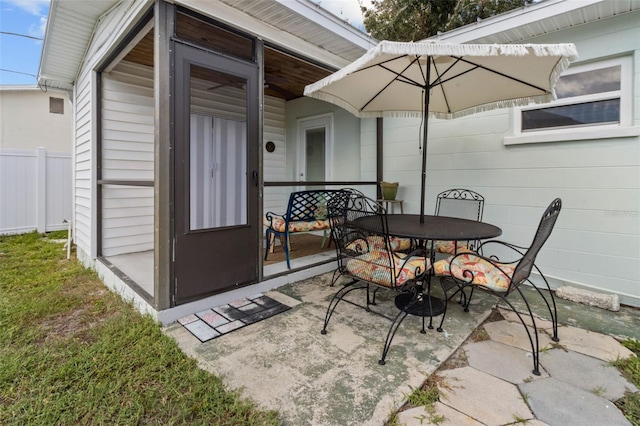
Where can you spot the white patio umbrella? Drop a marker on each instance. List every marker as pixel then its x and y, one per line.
pixel 397 79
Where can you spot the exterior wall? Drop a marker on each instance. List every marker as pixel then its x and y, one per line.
pixel 281 165
pixel 27 122
pixel 346 136
pixel 274 163
pixel 596 242
pixel 110 29
pixel 127 154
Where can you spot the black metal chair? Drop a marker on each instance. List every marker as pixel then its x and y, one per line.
pixel 365 255
pixel 460 203
pixel 464 204
pixel 501 278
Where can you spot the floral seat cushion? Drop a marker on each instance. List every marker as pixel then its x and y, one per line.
pixel 450 247
pixel 484 273
pixel 375 266
pixel 377 241
pixel 278 224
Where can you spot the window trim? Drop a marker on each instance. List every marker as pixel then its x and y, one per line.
pixel 624 128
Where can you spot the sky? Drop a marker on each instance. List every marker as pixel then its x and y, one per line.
pixel 20 56
pixel 18 53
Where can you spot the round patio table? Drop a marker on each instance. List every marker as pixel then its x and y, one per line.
pixel 434 228
pixel 440 228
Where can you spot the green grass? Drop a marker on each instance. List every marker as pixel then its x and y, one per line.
pixel 630 369
pixel 74 353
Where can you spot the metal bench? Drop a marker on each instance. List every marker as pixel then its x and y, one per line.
pixel 306 212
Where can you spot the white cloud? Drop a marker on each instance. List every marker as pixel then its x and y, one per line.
pixel 34 7
pixel 349 10
pixel 37 30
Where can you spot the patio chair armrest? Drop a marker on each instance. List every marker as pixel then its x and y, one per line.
pixel 514 248
pixel 269 216
pixel 468 275
pixel 407 257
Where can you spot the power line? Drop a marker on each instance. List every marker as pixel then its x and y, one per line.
pixel 20 35
pixel 18 72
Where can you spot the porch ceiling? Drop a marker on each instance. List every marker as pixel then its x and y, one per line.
pixel 71 26
pixel 285 75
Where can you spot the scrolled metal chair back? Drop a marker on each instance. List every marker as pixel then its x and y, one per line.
pixel 460 203
pixel 353 218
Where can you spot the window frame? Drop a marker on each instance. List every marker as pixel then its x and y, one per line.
pixel 624 128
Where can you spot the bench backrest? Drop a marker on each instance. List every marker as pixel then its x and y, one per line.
pixel 309 205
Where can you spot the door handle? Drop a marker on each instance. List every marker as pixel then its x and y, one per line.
pixel 255 177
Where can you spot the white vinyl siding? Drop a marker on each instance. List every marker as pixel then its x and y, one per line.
pixel 274 163
pixel 127 154
pixel 596 241
pixel 83 162
pixel 109 30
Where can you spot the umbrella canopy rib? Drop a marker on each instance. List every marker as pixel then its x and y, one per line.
pixel 397 75
pixel 394 79
pixel 501 74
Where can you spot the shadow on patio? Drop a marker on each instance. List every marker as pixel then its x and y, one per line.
pixel 284 363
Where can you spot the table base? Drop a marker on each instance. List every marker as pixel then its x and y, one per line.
pixel 427 307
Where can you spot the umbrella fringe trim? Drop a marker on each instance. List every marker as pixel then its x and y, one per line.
pixel 452 49
pixel 440 115
pixel 566 51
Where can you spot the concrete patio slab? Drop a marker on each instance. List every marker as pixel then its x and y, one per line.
pixel 284 363
pixel 443 415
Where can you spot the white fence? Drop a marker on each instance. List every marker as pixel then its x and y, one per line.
pixel 35 190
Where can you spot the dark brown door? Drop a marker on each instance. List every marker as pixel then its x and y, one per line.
pixel 216 163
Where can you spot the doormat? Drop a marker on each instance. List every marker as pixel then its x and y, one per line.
pixel 215 322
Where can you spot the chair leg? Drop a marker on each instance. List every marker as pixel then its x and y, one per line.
pixel 393 329
pixel 373 301
pixel 346 289
pixel 286 246
pixel 553 312
pixel 535 346
pixel 269 239
pixel 468 301
pixel 272 240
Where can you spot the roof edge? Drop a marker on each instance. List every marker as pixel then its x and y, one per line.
pixel 335 24
pixel 512 19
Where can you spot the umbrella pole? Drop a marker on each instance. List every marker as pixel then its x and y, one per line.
pixel 424 140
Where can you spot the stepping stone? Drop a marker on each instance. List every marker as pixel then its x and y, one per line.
pixel 544 324
pixel 514 334
pixel 481 396
pixel 587 373
pixel 502 361
pixel 558 403
pixel 593 344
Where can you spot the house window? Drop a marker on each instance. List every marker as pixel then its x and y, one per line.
pixel 590 97
pixel 56 105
